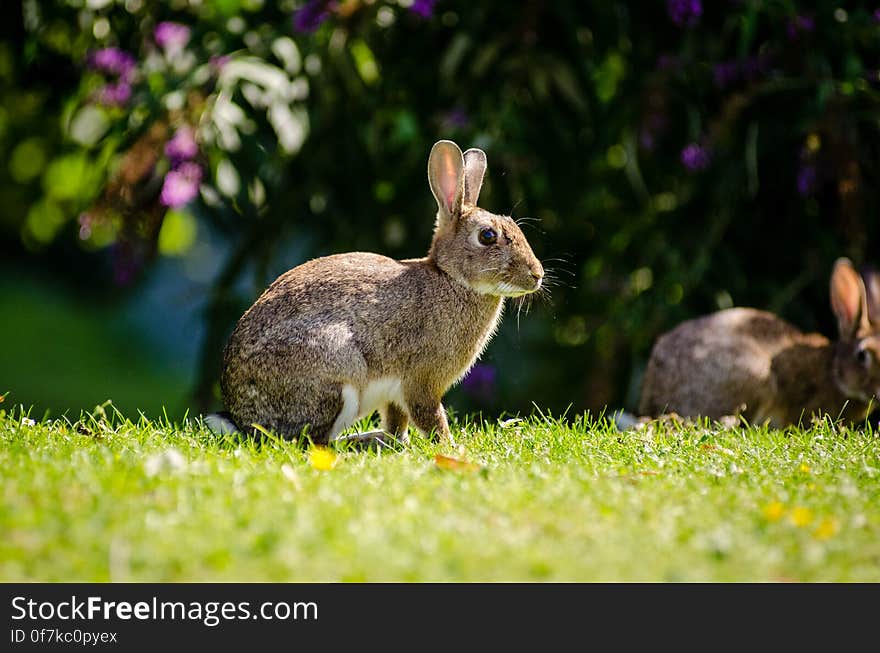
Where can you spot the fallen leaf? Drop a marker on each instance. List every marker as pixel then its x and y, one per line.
pixel 774 511
pixel 455 464
pixel 715 447
pixel 633 478
pixel 322 459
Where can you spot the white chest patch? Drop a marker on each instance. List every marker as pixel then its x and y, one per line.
pixel 375 395
pixel 379 393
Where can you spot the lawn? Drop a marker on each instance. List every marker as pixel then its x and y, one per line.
pixel 542 499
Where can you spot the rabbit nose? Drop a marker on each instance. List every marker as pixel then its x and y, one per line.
pixel 538 276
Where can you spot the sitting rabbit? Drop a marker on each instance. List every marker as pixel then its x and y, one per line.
pixel 338 337
pixel 742 361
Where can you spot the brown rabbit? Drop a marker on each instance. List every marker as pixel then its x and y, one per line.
pixel 338 337
pixel 746 362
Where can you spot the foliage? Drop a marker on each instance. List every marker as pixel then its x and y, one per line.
pixel 677 157
pixel 106 499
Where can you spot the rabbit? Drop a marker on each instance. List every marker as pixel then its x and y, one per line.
pixel 341 336
pixel 746 362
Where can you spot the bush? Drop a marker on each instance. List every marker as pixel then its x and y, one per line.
pixel 676 158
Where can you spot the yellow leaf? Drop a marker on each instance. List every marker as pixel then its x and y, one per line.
pixel 801 516
pixel 322 459
pixel 774 511
pixel 826 529
pixel 455 464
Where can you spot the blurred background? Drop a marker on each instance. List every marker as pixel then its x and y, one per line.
pixel 163 161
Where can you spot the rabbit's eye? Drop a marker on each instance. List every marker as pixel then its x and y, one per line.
pixel 487 236
pixel 863 356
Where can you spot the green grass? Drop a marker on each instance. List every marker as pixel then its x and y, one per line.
pixel 106 499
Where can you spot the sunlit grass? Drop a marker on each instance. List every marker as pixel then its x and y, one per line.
pixel 544 499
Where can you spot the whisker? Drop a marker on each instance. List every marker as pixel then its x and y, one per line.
pixel 519 221
pixel 559 268
pixel 550 278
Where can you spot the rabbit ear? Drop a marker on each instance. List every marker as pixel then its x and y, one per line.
pixel 445 175
pixel 848 298
pixel 474 169
pixel 871 279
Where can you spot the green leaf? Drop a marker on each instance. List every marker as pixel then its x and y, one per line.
pixel 227 7
pixel 44 219
pixel 27 160
pixel 608 76
pixel 178 233
pixel 365 62
pixel 70 177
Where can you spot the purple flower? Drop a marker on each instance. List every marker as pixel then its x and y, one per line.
pixel 85 225
pixel 480 381
pixel 172 37
pixel 806 180
pixel 218 61
pixel 309 17
pixel 182 147
pixel 695 157
pixel 114 95
pixel 181 185
pixel 877 15
pixel 423 8
pixel 684 13
pixel 113 61
pixel 800 24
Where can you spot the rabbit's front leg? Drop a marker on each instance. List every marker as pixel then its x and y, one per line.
pixel 394 421
pixel 430 418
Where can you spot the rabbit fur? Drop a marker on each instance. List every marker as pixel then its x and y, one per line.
pixel 751 363
pixel 338 337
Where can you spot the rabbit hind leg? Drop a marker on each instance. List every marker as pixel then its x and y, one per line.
pixel 318 415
